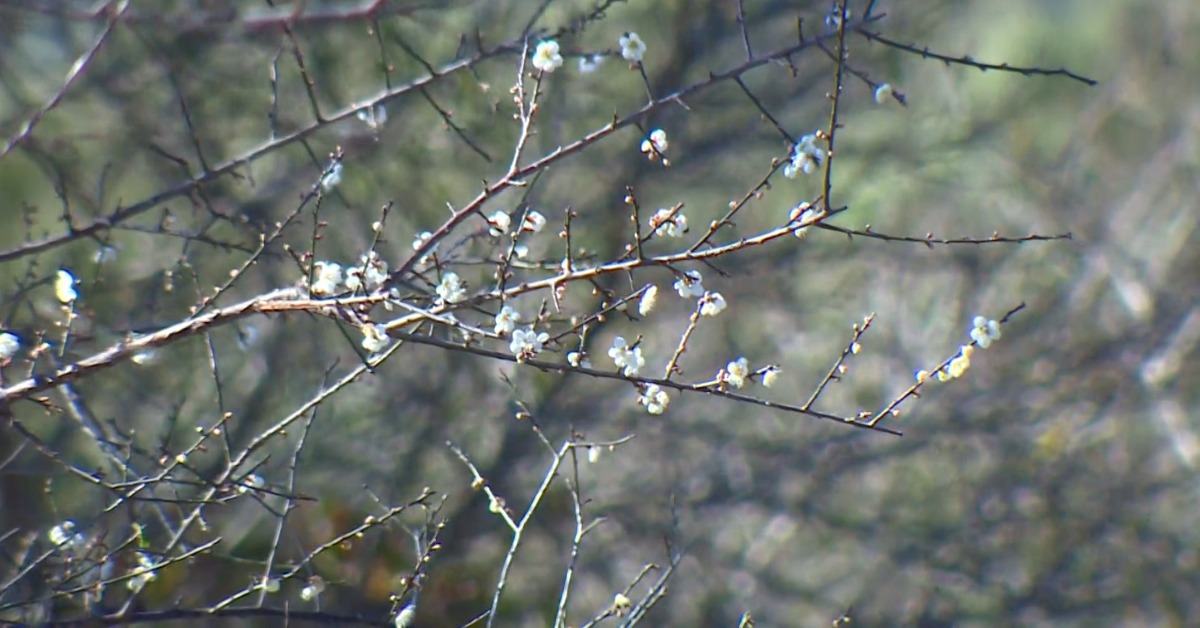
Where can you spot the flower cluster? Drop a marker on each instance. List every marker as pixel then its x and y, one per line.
pixel 654 398
pixel 666 224
pixel 655 146
pixel 369 274
pixel 452 289
pixel 146 566
pixel 330 278
pixel 64 537
pixel 955 369
pixel 546 57
pixel 806 156
pixel 527 343
pixel 327 279
pixel 628 359
pixel 984 332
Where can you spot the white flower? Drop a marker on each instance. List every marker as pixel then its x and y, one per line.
pixel 655 144
pixel 632 47
pixel 64 536
pixel 690 285
pixel 105 253
pixel 405 616
pixel 315 587
pixel 506 320
pixel 958 366
pixel 655 399
pixel 252 482
pixel 248 335
pixel 333 177
pixel 527 343
pixel 984 332
pixel 10 344
pixel 144 357
pixel 270 585
pixel 499 223
pixel 736 372
pixel 376 274
pixel 883 92
pixel 546 57
pixel 579 359
pixel 587 64
pixel 419 240
pixel 806 156
pixel 452 289
pixel 64 287
pixel 667 225
pixel 521 251
pixel 534 222
pixel 145 572
pixel 373 118
pixel 770 375
pixel 802 213
pixel 375 338
pixel 370 275
pixel 648 301
pixel 712 304
pixel 593 454
pixel 833 19
pixel 354 279
pixel 621 604
pixel 630 361
pixel 327 278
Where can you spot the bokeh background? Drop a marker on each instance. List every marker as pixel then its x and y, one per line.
pixel 1055 484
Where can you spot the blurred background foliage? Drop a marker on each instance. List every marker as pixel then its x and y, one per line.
pixel 1055 484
